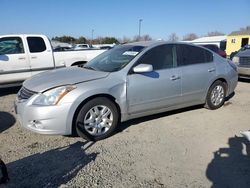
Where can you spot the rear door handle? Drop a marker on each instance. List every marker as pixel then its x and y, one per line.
pixel 175 77
pixel 211 70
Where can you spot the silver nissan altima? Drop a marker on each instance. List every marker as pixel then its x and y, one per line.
pixel 126 82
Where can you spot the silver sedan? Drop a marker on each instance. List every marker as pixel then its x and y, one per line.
pixel 126 82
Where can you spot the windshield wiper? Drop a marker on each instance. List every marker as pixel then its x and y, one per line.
pixel 88 67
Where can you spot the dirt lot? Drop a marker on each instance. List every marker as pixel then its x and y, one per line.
pixel 194 147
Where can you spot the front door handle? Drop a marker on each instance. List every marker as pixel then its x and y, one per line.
pixel 33 57
pixel 175 77
pixel 21 58
pixel 211 70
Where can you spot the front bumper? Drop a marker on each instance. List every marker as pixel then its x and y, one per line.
pixel 244 72
pixel 43 119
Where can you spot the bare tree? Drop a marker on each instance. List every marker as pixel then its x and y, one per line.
pixel 190 36
pixel 215 33
pixel 173 37
pixel 125 40
pixel 136 38
pixel 146 38
pixel 247 28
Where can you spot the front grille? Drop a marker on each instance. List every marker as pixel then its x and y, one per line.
pixel 245 61
pixel 25 94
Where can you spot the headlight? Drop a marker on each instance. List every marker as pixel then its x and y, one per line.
pixel 236 60
pixel 53 96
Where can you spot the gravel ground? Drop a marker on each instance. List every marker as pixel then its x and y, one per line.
pixel 193 147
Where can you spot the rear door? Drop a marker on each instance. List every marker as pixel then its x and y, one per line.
pixel 14 61
pixel 198 70
pixel 158 89
pixel 40 54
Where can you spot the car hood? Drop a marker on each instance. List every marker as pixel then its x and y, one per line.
pixel 244 53
pixel 63 76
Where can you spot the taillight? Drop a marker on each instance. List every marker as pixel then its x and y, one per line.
pixel 223 53
pixel 232 65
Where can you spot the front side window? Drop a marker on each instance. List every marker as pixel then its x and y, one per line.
pixel 83 46
pixel 189 55
pixel 114 59
pixel 11 45
pixel 160 57
pixel 36 44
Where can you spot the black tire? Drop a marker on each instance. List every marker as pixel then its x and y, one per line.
pixel 210 103
pixel 85 112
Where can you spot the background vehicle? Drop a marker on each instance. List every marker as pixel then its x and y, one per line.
pixel 215 49
pixel 242 60
pixel 92 100
pixel 22 56
pixel 81 46
pixel 106 47
pixel 59 49
pixel 242 49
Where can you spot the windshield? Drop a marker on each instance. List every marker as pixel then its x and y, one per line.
pixel 246 47
pixel 114 59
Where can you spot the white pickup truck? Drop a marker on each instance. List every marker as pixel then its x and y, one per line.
pixel 22 56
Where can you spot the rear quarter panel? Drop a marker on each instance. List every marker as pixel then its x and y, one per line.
pixel 226 72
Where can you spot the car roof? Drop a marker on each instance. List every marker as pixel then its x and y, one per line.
pixel 155 43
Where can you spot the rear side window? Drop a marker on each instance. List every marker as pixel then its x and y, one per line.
pixel 214 48
pixel 11 45
pixel 188 55
pixel 160 57
pixel 36 44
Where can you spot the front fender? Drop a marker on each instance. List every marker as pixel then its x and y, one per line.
pixel 118 92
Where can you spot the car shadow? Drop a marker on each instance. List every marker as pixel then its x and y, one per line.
pixel 136 121
pixel 7 120
pixel 244 80
pixel 9 90
pixel 230 167
pixel 51 168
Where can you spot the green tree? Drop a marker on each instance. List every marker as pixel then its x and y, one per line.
pixel 81 40
pixel 109 40
pixel 67 39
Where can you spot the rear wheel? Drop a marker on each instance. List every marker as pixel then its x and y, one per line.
pixel 97 119
pixel 216 95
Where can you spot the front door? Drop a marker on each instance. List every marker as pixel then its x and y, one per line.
pixel 158 89
pixel 14 62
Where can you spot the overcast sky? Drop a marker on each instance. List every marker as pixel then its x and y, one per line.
pixel 121 18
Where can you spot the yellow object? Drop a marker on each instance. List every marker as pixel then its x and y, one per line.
pixel 236 41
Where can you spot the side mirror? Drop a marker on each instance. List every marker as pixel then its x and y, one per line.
pixel 143 68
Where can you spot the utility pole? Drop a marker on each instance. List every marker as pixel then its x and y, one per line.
pixel 92 35
pixel 140 20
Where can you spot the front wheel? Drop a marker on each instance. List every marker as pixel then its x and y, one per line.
pixel 97 119
pixel 216 95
